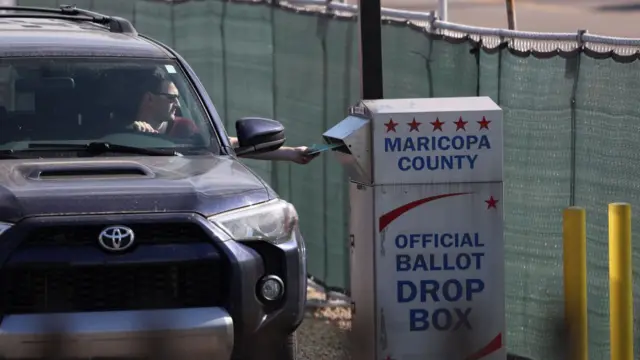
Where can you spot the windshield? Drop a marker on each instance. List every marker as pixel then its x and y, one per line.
pixel 139 103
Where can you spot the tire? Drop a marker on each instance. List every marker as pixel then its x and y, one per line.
pixel 286 350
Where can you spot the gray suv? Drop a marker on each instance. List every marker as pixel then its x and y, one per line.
pixel 128 227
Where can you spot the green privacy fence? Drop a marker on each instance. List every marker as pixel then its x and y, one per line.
pixel 572 131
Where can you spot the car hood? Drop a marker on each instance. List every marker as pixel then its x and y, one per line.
pixel 201 184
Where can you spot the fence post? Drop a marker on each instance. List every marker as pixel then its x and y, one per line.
pixel 511 14
pixel 575 280
pixel 574 234
pixel 371 73
pixel 443 9
pixel 620 282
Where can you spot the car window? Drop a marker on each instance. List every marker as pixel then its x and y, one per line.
pixel 132 102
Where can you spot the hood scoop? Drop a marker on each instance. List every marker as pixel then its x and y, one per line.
pixel 92 171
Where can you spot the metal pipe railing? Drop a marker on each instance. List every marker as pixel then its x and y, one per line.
pixel 436 22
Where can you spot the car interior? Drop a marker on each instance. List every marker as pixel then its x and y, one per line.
pixel 79 103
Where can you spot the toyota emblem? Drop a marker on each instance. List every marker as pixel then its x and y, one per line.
pixel 116 238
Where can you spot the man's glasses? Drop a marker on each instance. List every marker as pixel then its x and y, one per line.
pixel 172 97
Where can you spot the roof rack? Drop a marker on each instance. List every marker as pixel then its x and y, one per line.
pixel 71 12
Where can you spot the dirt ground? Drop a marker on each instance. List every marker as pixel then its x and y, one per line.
pixel 324 332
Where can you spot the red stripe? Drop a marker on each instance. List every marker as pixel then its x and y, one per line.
pixel 387 218
pixel 493 346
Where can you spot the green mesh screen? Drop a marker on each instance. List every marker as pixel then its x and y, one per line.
pixel 302 68
pixel 535 97
pixel 418 66
pixel 122 8
pixel 607 154
pixel 312 87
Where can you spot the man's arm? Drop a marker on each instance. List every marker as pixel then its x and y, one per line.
pixel 284 153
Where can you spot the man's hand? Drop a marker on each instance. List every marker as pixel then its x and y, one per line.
pixel 299 155
pixel 143 127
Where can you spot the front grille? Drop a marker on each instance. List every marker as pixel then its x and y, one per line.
pixel 73 235
pixel 102 288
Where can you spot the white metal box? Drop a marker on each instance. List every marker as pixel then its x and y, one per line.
pixel 427 259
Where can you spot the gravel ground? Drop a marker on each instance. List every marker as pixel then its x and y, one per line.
pixel 324 332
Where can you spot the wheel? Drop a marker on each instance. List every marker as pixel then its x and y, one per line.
pixel 290 348
pixel 287 350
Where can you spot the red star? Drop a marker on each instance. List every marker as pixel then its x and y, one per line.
pixel 414 125
pixel 460 124
pixel 484 124
pixel 491 203
pixel 437 125
pixel 391 126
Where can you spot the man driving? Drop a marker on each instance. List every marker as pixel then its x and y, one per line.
pixel 157 112
pixel 158 105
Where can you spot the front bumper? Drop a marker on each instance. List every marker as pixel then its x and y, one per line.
pixel 239 323
pixel 205 332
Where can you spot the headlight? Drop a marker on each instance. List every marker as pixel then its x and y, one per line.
pixel 4 227
pixel 273 221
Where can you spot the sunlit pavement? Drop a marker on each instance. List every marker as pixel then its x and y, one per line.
pixel 600 17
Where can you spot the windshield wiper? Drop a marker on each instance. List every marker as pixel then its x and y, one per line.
pixel 98 148
pixel 9 155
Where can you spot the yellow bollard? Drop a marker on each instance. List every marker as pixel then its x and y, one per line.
pixel 620 282
pixel 574 234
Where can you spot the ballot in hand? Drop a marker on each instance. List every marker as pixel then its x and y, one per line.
pixel 298 155
pixel 316 149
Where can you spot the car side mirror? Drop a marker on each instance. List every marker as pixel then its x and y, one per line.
pixel 258 135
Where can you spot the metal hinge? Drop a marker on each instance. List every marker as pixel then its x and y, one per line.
pixel 359 111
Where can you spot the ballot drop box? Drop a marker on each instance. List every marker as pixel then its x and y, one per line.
pixel 426 218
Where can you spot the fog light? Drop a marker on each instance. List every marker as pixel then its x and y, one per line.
pixel 271 288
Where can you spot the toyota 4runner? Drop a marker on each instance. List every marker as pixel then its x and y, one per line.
pixel 125 215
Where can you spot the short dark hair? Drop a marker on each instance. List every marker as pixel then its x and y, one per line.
pixel 151 80
pixel 124 88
